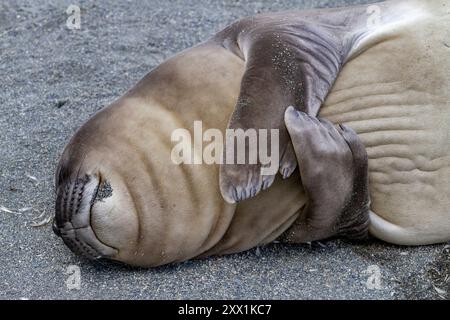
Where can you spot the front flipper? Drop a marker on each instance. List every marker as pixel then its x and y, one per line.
pixel 289 60
pixel 334 171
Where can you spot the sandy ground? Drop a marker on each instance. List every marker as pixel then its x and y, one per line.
pixel 53 79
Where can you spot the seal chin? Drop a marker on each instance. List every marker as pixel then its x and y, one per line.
pixel 73 217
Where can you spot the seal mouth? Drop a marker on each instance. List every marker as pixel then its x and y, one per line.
pixel 72 222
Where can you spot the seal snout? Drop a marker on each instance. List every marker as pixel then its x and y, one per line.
pixel 73 214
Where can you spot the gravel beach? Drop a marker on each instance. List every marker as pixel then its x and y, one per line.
pixel 53 79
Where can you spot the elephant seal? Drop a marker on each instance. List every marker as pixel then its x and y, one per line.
pixel 119 196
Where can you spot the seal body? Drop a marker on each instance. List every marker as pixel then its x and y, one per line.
pixel 395 94
pixel 159 212
pixel 121 197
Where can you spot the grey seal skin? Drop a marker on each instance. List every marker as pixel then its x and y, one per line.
pixel 292 59
pixel 120 197
pixel 329 156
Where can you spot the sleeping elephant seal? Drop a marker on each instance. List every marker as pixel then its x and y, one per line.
pixel 119 195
